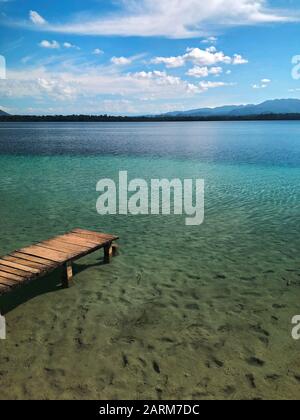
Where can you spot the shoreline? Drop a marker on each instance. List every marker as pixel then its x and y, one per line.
pixel 106 118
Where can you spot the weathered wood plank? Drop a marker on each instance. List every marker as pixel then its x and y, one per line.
pixel 63 247
pixel 75 240
pixel 28 264
pixel 5 275
pixel 78 240
pixel 34 261
pixel 8 282
pixel 95 234
pixel 88 238
pixel 91 239
pixel 14 263
pixel 16 271
pixel 66 253
pixel 38 251
pixel 67 246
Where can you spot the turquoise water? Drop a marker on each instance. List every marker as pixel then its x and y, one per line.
pixel 211 305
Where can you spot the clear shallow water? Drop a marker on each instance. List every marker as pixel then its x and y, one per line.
pixel 210 305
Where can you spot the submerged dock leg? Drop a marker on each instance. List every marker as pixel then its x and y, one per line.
pixel 115 250
pixel 67 274
pixel 108 253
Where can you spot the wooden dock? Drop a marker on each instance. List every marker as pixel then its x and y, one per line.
pixel 30 263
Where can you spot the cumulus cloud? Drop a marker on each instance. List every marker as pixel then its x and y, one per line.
pixel 54 45
pixel 49 44
pixel 161 77
pixel 97 51
pixel 121 61
pixel 71 82
pixel 68 45
pixel 238 59
pixel 208 57
pixel 170 62
pixel 200 72
pixel 173 18
pixel 36 18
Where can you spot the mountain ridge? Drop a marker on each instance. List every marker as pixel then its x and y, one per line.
pixel 275 106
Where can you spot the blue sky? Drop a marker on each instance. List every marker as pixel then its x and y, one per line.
pixel 145 56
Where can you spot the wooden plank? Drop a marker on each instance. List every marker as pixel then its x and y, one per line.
pixel 8 282
pixel 92 239
pixel 78 240
pixel 97 234
pixel 5 275
pixel 15 264
pixel 66 253
pixel 54 256
pixel 22 261
pixel 11 270
pixel 74 240
pixel 37 262
pixel 68 246
pixel 63 247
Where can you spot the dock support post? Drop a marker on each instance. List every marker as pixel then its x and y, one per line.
pixel 67 274
pixel 108 253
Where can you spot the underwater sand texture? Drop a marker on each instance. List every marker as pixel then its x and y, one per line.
pixel 142 332
pixel 183 312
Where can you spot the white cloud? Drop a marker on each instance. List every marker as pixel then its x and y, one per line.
pixel 216 71
pixel 97 51
pixel 213 85
pixel 161 77
pixel 71 82
pixel 36 18
pixel 49 44
pixel 121 61
pixel 264 83
pixel 210 40
pixel 68 45
pixel 211 49
pixel 208 57
pixel 200 72
pixel 174 18
pixel 238 59
pixel 170 62
pixel 54 45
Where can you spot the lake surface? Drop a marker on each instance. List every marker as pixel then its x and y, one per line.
pixel 183 312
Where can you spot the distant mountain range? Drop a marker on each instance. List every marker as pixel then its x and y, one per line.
pixel 277 106
pixel 285 109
